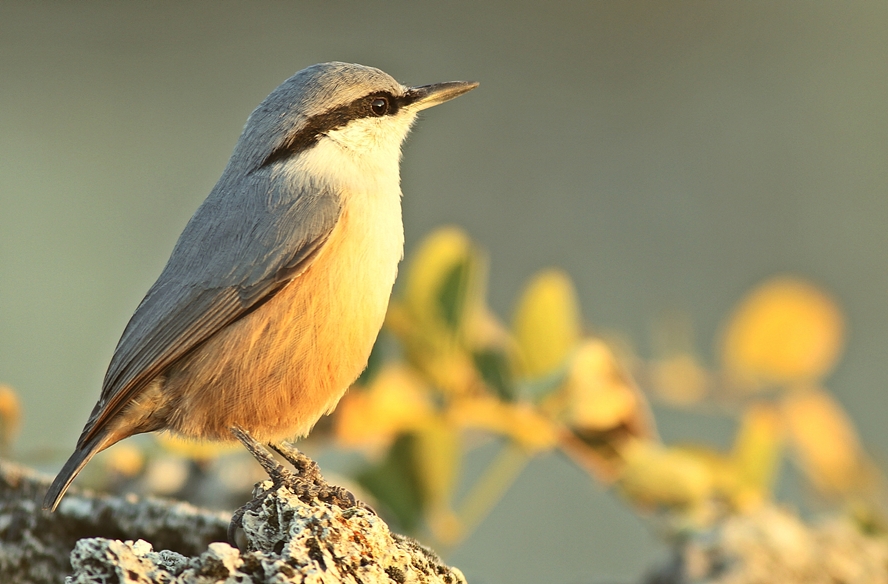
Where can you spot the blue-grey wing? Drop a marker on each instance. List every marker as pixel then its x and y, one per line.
pixel 235 253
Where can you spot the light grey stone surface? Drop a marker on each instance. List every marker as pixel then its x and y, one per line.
pixel 773 546
pixel 287 540
pixel 35 545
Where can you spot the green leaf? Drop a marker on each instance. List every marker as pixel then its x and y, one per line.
pixel 539 388
pixel 395 484
pixel 453 295
pixel 496 371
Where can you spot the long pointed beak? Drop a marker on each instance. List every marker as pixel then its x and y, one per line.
pixel 425 96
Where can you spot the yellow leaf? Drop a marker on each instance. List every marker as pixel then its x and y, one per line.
pixel 10 417
pixel 432 350
pixel 395 402
pixel 520 421
pixel 124 458
pixel 439 315
pixel 529 428
pixel 756 454
pixel 449 370
pixel 481 411
pixel 658 476
pixel 826 441
pixel 785 331
pixel 679 379
pixel 431 294
pixel 445 526
pixel 437 457
pixel 547 322
pixel 600 395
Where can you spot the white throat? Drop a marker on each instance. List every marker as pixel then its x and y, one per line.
pixel 361 158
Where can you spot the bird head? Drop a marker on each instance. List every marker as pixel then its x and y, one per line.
pixel 357 111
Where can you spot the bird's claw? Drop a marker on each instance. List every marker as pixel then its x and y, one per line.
pixel 307 483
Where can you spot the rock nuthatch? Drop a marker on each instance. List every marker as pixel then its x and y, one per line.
pixel 276 290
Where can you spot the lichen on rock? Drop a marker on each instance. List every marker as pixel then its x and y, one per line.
pixel 287 540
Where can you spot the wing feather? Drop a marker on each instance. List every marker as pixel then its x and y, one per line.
pixel 237 251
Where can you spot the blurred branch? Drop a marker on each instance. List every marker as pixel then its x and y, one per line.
pixel 493 484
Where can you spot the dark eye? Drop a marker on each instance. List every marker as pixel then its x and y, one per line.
pixel 379 106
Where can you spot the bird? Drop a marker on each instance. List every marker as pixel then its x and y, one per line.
pixel 275 292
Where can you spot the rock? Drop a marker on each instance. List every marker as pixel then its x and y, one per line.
pixel 773 545
pixel 35 545
pixel 287 541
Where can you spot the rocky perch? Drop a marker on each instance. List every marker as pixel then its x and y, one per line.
pixel 773 545
pixel 286 539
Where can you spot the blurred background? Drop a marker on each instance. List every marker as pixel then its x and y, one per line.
pixel 668 156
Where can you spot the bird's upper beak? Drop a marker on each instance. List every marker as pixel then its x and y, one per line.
pixel 425 96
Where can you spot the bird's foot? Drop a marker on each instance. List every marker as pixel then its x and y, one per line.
pixel 306 483
pixel 311 483
pixel 278 474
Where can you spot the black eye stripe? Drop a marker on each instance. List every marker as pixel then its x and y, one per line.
pixel 319 124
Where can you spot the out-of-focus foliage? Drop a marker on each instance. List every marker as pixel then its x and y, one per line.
pixel 545 383
pixel 547 323
pixel 777 346
pixel 786 336
pixel 826 442
pixel 786 331
pixel 196 449
pixel 10 418
pixel 539 385
pixel 125 460
pixel 756 454
pixel 395 402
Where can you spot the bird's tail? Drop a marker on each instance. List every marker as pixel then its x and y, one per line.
pixel 75 464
